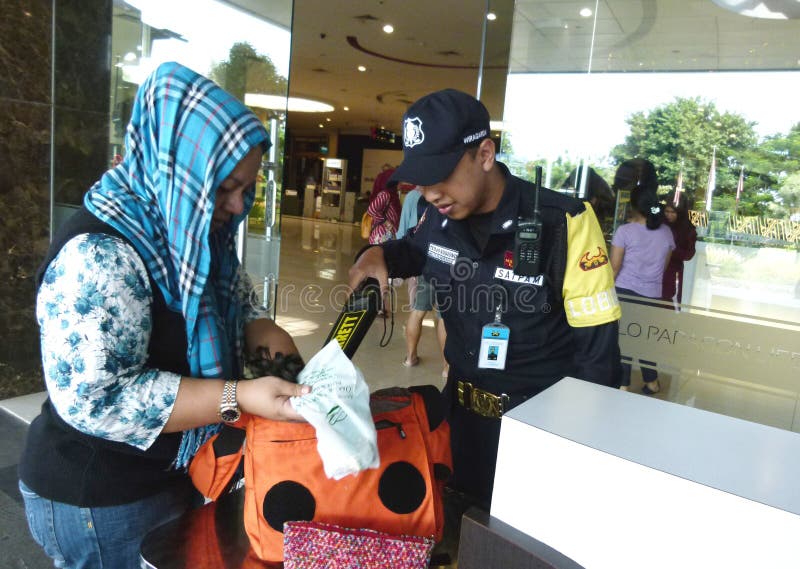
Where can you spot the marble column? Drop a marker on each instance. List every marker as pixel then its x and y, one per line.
pixel 76 118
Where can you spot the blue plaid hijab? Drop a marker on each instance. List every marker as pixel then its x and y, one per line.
pixel 185 137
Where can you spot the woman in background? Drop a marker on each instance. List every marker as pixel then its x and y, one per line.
pixel 640 250
pixel 685 236
pixel 384 208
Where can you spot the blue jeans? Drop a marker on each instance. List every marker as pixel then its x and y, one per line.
pixel 98 538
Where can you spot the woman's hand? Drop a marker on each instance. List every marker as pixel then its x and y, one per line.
pixel 199 400
pixel 268 397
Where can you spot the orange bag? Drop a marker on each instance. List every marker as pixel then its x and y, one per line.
pixel 285 480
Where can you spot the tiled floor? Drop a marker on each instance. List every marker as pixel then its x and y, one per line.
pixel 314 259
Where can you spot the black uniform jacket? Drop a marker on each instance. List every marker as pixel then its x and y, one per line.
pixel 562 322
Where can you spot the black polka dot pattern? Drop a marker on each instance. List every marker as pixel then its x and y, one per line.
pixel 288 501
pixel 402 488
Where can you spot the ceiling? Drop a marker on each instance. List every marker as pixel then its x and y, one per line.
pixel 435 44
pixel 438 44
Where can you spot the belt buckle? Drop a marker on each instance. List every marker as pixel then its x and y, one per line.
pixel 480 401
pixel 484 403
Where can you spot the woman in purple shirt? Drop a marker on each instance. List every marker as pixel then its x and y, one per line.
pixel 640 251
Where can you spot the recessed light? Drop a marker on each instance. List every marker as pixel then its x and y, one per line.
pixel 585 12
pixel 321 125
pixel 362 68
pixel 388 28
pixel 346 108
pixel 491 16
pixel 327 119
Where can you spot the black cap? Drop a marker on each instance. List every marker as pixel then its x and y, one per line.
pixel 437 129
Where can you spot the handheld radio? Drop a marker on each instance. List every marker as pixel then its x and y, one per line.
pixel 527 240
pixel 356 317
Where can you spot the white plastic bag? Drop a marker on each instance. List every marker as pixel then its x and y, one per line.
pixel 338 408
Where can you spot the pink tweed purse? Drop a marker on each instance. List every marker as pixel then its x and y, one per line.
pixel 315 545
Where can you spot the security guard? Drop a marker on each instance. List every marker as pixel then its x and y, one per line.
pixel 509 336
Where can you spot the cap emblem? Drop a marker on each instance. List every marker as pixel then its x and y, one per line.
pixel 412 132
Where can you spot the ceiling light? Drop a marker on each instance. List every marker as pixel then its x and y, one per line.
pixel 327 119
pixel 773 10
pixel 346 108
pixel 321 125
pixel 585 12
pixel 491 16
pixel 294 104
pixel 388 28
pixel 362 68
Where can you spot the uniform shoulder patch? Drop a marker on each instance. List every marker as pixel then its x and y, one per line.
pixel 593 259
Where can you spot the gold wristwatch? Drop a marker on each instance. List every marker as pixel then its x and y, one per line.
pixel 229 410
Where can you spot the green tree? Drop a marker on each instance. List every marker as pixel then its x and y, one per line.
pixel 560 169
pixel 789 196
pixel 682 134
pixel 247 71
pixel 767 167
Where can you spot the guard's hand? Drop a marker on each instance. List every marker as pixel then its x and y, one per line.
pixel 268 397
pixel 371 263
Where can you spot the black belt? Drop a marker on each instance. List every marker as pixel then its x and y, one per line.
pixel 481 402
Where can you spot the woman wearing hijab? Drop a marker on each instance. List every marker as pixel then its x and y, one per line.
pixel 384 208
pixel 144 314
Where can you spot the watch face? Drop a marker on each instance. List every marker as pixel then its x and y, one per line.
pixel 230 414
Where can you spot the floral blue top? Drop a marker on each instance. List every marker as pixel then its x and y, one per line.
pixel 93 310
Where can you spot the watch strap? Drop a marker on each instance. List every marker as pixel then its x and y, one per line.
pixel 228 401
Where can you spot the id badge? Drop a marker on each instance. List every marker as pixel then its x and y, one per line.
pixel 494 346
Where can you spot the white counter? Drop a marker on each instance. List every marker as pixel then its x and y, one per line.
pixel 615 480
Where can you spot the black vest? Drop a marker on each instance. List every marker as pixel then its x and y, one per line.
pixel 65 465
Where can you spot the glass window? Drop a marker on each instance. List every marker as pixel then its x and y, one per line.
pixel 707 95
